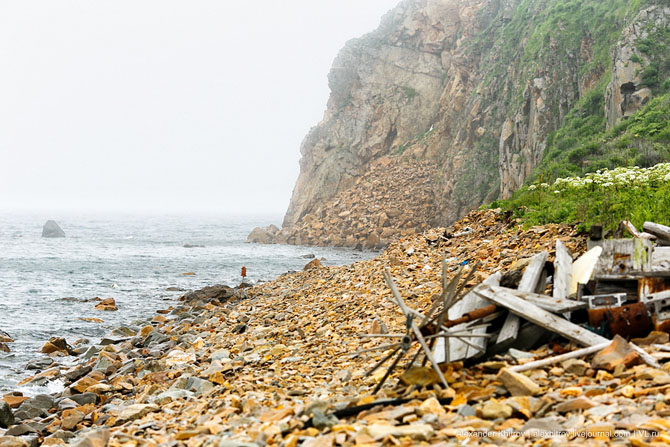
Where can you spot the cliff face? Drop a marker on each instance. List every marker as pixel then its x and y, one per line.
pixel 465 92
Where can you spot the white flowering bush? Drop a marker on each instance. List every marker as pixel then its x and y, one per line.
pixel 603 197
pixel 634 177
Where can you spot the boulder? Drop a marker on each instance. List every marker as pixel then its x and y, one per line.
pixel 51 229
pixel 6 415
pixel 4 347
pixel 313 264
pixel 217 292
pixel 108 304
pixel 518 384
pixel 619 352
pixel 57 344
pixel 263 235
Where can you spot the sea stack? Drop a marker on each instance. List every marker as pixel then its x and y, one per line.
pixel 51 229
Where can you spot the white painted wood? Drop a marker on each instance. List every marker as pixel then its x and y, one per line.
pixel 528 283
pixel 562 271
pixel 548 303
pixel 559 358
pixel 583 267
pixel 538 316
pixel 457 348
pixel 492 280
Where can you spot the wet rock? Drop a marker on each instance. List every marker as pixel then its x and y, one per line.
pixel 6 415
pixel 77 373
pixel 85 398
pixel 57 344
pixel 124 332
pixel 40 363
pixel 619 352
pixel 218 292
pixel 107 305
pixel 5 337
pixel 15 399
pixel 52 229
pixel 518 384
pixel 4 347
pixel 313 264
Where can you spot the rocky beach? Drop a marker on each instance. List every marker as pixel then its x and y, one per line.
pixel 280 364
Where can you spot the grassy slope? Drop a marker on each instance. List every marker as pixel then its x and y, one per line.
pixel 583 144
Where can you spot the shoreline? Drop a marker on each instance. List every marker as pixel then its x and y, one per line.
pixel 271 365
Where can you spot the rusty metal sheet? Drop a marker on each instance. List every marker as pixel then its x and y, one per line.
pixel 631 320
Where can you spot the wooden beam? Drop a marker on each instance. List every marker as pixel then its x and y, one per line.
pixel 536 315
pixel 545 302
pixel 528 283
pixel 562 271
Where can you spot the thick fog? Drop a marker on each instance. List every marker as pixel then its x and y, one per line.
pixel 164 105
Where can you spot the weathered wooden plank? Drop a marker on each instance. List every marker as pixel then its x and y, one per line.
pixel 620 256
pixel 492 280
pixel 562 271
pixel 548 303
pixel 660 257
pixel 528 283
pixel 661 231
pixel 457 348
pixel 536 315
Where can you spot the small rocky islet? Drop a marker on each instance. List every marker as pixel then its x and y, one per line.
pixel 272 365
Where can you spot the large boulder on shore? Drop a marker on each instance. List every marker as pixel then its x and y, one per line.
pixel 263 235
pixel 217 292
pixel 51 229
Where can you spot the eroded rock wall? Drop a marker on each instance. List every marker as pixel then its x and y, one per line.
pixel 446 87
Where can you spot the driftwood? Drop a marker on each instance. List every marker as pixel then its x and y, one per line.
pixel 661 231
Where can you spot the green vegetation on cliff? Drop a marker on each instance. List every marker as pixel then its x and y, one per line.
pixel 583 144
pixel 605 197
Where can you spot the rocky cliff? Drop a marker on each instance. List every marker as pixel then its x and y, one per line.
pixel 464 94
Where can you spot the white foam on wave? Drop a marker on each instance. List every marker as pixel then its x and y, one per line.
pixel 51 387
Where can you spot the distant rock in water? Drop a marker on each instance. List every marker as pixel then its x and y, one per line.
pixel 263 235
pixel 51 229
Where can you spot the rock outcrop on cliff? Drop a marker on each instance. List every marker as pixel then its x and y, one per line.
pixel 470 90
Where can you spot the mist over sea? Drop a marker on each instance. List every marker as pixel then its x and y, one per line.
pixel 47 285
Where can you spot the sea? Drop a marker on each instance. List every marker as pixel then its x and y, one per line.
pixel 47 286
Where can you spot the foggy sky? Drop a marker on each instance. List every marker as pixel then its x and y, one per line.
pixel 164 105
